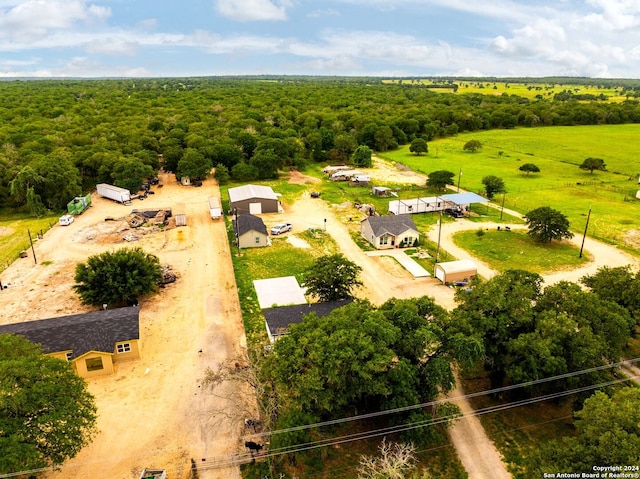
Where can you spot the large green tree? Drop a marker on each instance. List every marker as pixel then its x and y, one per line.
pixel 419 146
pixel 529 168
pixel 492 185
pixel 546 224
pixel 363 358
pixel 332 277
pixel 620 285
pixel 46 413
pixel 194 165
pixel 116 278
pixel 440 179
pixel 608 434
pixel 362 156
pixel 22 187
pixel 593 164
pixel 131 173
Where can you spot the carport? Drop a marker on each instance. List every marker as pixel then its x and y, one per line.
pixel 464 200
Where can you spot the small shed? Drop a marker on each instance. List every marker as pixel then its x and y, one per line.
pixel 181 219
pixel 454 271
pixel 254 199
pixel 380 191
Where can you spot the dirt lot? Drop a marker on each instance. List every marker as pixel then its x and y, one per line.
pixel 152 412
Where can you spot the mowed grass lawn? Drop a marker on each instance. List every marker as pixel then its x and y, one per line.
pixel 14 237
pixel 558 152
pixel 504 250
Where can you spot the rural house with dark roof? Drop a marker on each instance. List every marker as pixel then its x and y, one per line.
pixel 279 319
pixel 93 342
pixel 250 231
pixel 384 232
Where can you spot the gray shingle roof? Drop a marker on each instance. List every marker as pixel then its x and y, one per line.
pixel 394 225
pixel 247 222
pixel 281 318
pixel 80 333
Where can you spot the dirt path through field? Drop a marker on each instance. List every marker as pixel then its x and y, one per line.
pixel 152 411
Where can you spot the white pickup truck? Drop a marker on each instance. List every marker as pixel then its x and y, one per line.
pixel 281 228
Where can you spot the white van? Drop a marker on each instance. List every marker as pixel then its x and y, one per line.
pixel 66 220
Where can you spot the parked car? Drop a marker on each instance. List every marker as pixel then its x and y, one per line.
pixel 455 212
pixel 315 194
pixel 281 228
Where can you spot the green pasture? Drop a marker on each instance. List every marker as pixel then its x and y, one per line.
pixel 525 90
pixel 557 151
pixel 503 250
pixel 14 237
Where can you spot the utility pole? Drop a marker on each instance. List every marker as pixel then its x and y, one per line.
pixel 459 176
pixel 502 208
pixel 585 232
pixel 235 212
pixel 32 250
pixel 438 248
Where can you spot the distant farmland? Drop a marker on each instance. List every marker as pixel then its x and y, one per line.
pixel 557 151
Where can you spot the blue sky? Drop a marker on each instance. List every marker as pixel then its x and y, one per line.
pixel 158 38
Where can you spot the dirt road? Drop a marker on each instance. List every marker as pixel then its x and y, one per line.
pixel 152 411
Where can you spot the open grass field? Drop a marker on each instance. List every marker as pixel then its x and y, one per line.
pixel 526 90
pixel 503 250
pixel 14 237
pixel 557 151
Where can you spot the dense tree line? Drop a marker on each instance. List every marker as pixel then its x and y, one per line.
pixel 74 134
pixel 363 358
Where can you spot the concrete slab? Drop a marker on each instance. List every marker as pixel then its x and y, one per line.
pixel 283 291
pixel 405 261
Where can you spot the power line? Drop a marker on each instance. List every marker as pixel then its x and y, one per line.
pixel 444 400
pixel 404 427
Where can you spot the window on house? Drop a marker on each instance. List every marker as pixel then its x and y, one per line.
pixel 123 348
pixel 94 364
pixel 384 239
pixel 69 356
pixel 257 239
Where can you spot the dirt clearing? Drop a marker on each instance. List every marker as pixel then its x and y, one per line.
pixel 152 411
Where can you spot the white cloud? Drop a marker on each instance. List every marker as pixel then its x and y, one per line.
pixel 27 20
pixel 112 46
pixel 252 10
pixel 329 12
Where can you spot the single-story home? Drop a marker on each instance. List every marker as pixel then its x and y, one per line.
pixel 93 342
pixel 278 320
pixel 253 199
pixel 462 270
pixel 383 232
pixel 250 231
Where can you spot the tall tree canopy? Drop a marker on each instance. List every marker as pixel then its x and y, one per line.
pixel 363 358
pixel 46 413
pixel 116 278
pixel 546 224
pixel 620 285
pixel 332 278
pixel 419 146
pixel 608 434
pixel 529 334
